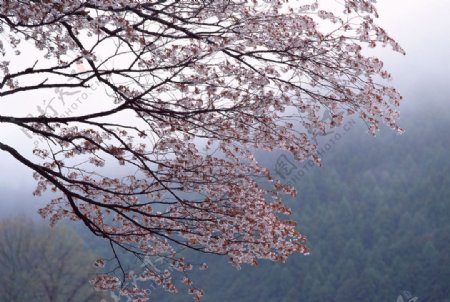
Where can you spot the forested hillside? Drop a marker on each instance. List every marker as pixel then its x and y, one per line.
pixel 377 216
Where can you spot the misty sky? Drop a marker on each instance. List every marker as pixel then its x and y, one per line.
pixel 421 27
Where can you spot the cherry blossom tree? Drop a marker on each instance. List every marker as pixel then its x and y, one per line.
pixel 162 161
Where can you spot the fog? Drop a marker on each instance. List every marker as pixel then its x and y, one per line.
pixel 421 27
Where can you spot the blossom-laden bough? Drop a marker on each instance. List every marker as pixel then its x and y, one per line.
pixel 163 161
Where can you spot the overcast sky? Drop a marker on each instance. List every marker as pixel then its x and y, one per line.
pixel 421 27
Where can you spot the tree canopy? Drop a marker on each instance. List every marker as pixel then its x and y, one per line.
pixel 44 265
pixel 160 159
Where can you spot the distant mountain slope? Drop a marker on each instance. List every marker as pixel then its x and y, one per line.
pixel 377 215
